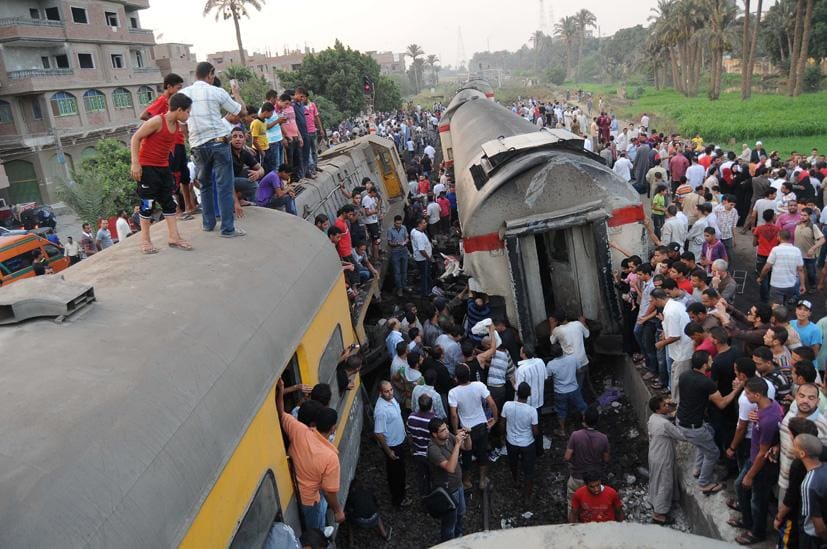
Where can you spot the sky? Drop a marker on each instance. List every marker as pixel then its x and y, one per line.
pixel 382 25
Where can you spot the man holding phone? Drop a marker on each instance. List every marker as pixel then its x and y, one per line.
pixel 446 472
pixel 274 135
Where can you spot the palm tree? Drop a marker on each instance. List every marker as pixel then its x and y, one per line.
pixel 748 59
pixel 432 60
pixel 414 51
pixel 585 20
pixel 233 9
pixel 795 52
pixel 720 15
pixel 804 50
pixel 566 30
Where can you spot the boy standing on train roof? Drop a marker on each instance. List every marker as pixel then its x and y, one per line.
pixel 150 149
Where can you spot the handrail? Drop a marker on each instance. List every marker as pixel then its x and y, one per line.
pixel 31 73
pixel 15 21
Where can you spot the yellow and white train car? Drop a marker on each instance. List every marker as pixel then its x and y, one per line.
pixel 147 418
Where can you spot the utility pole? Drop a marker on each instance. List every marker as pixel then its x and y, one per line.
pixel 61 157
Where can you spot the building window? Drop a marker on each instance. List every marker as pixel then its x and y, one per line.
pixel 117 61
pixel 133 22
pixel 62 61
pixel 145 95
pixel 111 18
pixel 36 113
pixel 44 60
pixel 64 104
pixel 34 13
pixel 79 16
pixel 5 113
pixel 85 61
pixel 122 98
pixel 94 101
pixel 139 60
pixel 52 14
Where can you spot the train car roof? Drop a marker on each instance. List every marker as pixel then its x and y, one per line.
pixel 505 169
pixel 116 423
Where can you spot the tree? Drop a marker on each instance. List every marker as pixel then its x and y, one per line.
pixel 414 51
pixel 337 73
pixel 566 29
pixel 585 20
pixel 233 9
pixel 803 55
pixel 432 60
pixel 748 51
pixel 102 185
pixel 388 97
pixel 795 51
pixel 720 15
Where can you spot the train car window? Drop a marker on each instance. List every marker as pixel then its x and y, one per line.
pixel 18 262
pixel 260 515
pixel 292 376
pixel 51 250
pixel 385 161
pixel 558 246
pixel 328 362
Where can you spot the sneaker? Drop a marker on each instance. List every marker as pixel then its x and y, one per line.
pixel 235 233
pixel 493 456
pixel 503 451
pixel 207 230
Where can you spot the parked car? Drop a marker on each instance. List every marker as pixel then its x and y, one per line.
pixel 16 256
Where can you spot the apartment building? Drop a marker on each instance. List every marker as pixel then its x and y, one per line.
pixel 175 57
pixel 71 72
pixel 389 63
pixel 260 63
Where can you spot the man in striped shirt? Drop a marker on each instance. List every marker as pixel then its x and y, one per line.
pixel 420 438
pixel 532 370
pixel 813 492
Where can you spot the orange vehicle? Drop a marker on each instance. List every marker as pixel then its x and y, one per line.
pixel 16 256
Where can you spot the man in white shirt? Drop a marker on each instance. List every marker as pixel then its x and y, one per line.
pixel 787 266
pixel 422 256
pixel 532 370
pixel 695 173
pixel 522 430
pixel 430 151
pixel 72 250
pixel 465 403
pixel 623 167
pixel 769 202
pixel 678 345
pixel 209 134
pixel 433 211
pixel 571 335
pixel 122 226
pixel 644 122
pixel 674 228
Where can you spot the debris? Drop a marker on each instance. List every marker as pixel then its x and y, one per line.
pixel 633 433
pixel 527 515
pixel 615 404
pixel 546 443
pixel 643 472
pixel 630 479
pixel 609 396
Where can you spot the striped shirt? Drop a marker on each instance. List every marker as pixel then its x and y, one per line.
pixel 813 496
pixel 533 372
pixel 418 430
pixel 786 456
pixel 727 221
pixel 500 369
pixel 206 121
pixel 785 260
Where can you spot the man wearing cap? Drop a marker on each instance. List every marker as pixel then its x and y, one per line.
pixel 757 153
pixel 810 334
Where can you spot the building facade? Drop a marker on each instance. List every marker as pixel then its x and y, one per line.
pixel 71 72
pixel 173 57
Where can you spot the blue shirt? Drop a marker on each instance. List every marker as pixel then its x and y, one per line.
pixel 387 421
pixel 452 198
pixel 274 133
pixel 301 120
pixel 390 342
pixel 397 236
pixel 810 334
pixel 564 372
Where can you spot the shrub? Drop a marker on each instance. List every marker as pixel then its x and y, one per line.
pixel 813 79
pixel 556 75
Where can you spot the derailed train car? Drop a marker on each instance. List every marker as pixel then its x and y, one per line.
pixel 538 215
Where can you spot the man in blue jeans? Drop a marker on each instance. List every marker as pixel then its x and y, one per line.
pixel 301 122
pixel 398 243
pixel 209 133
pixel 446 472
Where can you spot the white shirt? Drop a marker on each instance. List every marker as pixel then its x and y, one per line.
pixel 430 151
pixel 695 175
pixel 519 416
pixel 533 372
pixel 674 230
pixel 71 249
pixel 122 228
pixel 644 121
pixel 420 243
pixel 468 399
pixel 433 213
pixel 439 188
pixel 206 121
pixel 776 183
pixel 587 144
pixel 571 338
pixel 370 203
pixel 761 205
pixel 745 406
pixel 623 168
pixel 675 320
pixel 785 260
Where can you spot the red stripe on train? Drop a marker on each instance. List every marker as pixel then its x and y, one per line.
pixel 624 216
pixel 482 243
pixel 445 128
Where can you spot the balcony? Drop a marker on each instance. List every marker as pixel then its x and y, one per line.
pixel 39 73
pixel 141 70
pixel 142 36
pixel 13 28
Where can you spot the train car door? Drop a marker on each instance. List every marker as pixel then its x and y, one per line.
pixel 385 165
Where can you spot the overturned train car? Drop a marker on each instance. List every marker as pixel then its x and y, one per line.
pixel 539 214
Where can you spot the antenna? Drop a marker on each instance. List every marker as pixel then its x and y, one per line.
pixel 542 22
pixel 460 48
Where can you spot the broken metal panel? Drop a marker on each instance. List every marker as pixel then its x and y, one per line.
pixel 43 296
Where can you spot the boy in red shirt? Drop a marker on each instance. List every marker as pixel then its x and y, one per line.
pixel 149 149
pixel 765 238
pixel 595 502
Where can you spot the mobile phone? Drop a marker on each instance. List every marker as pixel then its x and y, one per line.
pixel 233 83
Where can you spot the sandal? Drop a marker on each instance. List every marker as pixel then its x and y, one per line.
pixel 736 523
pixel 732 503
pixel 656 385
pixel 717 487
pixel 665 522
pixel 181 245
pixel 748 538
pixel 696 473
pixel 149 249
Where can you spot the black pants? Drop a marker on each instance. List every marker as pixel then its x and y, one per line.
pixel 538 440
pixel 396 475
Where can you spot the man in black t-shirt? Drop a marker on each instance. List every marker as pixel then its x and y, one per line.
pixel 697 391
pixel 723 374
pixel 246 168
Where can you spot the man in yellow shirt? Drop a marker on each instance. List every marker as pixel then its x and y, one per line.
pixel 258 131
